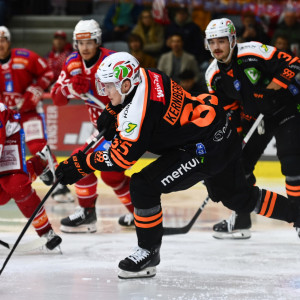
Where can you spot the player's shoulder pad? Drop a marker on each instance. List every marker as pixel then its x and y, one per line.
pixel 74 64
pixel 255 49
pixel 25 53
pixel 210 73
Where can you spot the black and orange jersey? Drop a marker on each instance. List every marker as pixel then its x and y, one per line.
pixel 160 117
pixel 253 66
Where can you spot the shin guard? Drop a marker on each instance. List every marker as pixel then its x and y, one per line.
pixel 86 191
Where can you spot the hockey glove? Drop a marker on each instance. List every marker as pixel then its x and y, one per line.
pixel 31 98
pixel 73 169
pixel 108 121
pixel 78 85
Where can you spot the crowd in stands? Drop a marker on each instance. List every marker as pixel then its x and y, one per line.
pixel 171 38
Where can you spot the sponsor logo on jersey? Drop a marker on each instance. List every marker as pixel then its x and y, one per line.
pixel 200 149
pixel 74 65
pixel 23 53
pixel 19 60
pixel 157 92
pixel 253 75
pixel 293 89
pixel 17 116
pixel 264 48
pixel 9 87
pixel 176 103
pixel 1 125
pixel 102 156
pixel 76 72
pixel 287 74
pixel 237 85
pixel 7 76
pixel 219 135
pixel 17 66
pixel 129 127
pixel 183 169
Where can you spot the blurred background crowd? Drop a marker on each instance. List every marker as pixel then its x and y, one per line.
pixel 166 34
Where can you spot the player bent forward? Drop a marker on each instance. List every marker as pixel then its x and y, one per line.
pixel 194 140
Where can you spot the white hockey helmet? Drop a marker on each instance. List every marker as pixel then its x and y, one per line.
pixel 221 28
pixel 4 32
pixel 116 68
pixel 87 30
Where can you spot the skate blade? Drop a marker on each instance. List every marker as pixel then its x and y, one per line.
pixel 234 235
pixel 146 273
pixel 86 228
pixel 66 198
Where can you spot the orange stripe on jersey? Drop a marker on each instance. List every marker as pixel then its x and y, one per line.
pixel 234 106
pixel 292 188
pixel 149 225
pixel 88 161
pixel 147 219
pixel 294 60
pixel 272 204
pixel 117 161
pixel 121 158
pixel 283 85
pixel 265 203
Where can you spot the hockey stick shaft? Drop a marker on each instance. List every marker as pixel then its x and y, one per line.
pixel 186 228
pixel 94 99
pixel 87 148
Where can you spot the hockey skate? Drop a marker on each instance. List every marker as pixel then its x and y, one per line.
pixel 236 227
pixel 62 194
pixel 140 264
pixel 48 175
pixel 53 240
pixel 126 220
pixel 82 221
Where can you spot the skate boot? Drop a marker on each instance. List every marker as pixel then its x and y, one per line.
pixel 236 227
pixel 82 221
pixel 140 264
pixel 62 194
pixel 48 175
pixel 53 240
pixel 126 220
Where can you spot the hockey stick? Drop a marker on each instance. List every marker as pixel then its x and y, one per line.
pixel 25 247
pixel 88 147
pixel 94 99
pixel 186 228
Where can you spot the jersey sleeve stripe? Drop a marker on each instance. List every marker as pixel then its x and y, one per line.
pixel 88 161
pixel 119 160
pixel 283 85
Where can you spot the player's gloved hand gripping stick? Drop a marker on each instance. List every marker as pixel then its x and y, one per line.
pixel 186 228
pixel 88 147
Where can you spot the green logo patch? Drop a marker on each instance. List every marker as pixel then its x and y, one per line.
pixel 131 127
pixel 120 72
pixel 253 75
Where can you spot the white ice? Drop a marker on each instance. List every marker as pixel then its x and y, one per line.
pixel 193 266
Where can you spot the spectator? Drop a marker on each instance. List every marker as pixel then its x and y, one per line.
pixel 177 60
pixel 151 33
pixel 282 43
pixel 251 30
pixel 60 51
pixel 193 37
pixel 189 82
pixel 135 44
pixel 291 28
pixel 119 20
pixel 59 7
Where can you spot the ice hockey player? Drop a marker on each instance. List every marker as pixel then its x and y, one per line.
pixel 16 175
pixel 76 79
pixel 25 76
pixel 195 141
pixel 263 80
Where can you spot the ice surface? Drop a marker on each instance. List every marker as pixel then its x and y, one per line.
pixel 193 266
